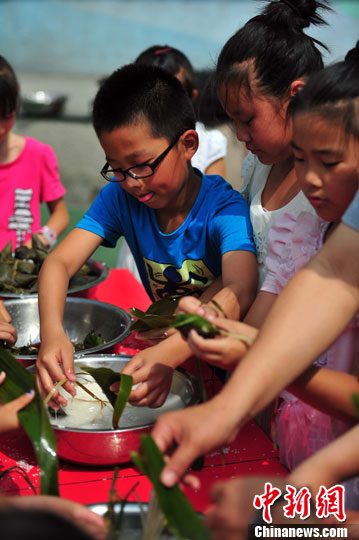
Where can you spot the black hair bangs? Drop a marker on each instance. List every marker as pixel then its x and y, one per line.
pixel 138 93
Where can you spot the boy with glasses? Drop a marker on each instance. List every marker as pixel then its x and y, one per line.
pixel 190 234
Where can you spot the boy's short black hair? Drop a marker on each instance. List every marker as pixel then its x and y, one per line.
pixel 138 93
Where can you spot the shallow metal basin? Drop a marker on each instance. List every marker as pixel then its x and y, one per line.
pixel 131 524
pixel 112 446
pixel 81 317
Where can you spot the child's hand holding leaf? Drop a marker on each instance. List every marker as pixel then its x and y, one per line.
pixel 224 351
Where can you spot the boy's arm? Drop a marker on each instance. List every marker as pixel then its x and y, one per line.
pixel 239 284
pixel 7 330
pixel 153 366
pixel 327 390
pixel 66 259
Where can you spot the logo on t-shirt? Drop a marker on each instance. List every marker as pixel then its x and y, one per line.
pixel 22 219
pixel 166 279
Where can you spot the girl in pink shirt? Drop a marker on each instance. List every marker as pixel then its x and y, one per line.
pixel 28 176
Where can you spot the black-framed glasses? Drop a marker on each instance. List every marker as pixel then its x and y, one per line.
pixel 144 170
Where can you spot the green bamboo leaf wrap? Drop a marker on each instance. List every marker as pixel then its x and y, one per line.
pixel 181 518
pixel 104 378
pixel 33 419
pixel 160 314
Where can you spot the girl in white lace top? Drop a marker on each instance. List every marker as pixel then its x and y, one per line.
pixel 259 70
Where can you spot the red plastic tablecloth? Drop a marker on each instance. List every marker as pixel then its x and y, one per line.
pixel 251 452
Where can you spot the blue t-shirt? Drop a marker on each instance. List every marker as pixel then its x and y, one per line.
pixel 351 216
pixel 187 260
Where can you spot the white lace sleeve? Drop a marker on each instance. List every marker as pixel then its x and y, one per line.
pixel 247 171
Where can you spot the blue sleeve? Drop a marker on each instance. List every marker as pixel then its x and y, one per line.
pixel 104 217
pixel 351 216
pixel 232 226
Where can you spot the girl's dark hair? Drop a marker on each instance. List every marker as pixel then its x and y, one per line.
pixel 9 89
pixel 207 106
pixel 172 60
pixel 275 46
pixel 138 93
pixel 333 93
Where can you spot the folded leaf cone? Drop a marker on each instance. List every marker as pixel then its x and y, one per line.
pixel 105 377
pixel 181 518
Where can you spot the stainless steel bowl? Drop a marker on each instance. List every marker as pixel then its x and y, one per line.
pixel 81 317
pixel 131 523
pixel 42 103
pixel 112 446
pixel 100 270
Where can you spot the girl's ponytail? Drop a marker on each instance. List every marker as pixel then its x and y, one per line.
pixel 295 13
pixel 274 44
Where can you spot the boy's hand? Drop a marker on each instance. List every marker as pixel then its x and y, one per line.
pixel 4 315
pixel 8 412
pixel 193 432
pixel 7 330
pixel 55 350
pixel 156 379
pixel 222 351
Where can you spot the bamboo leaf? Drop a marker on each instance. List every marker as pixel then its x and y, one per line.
pixel 215 303
pixel 159 314
pixel 105 377
pixel 122 398
pixel 181 518
pixel 184 322
pixel 33 419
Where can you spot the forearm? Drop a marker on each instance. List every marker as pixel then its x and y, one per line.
pixel 52 306
pixel 173 351
pixel 327 390
pixel 302 314
pixel 59 217
pixel 330 465
pixel 260 309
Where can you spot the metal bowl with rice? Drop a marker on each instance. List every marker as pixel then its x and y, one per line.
pixel 81 317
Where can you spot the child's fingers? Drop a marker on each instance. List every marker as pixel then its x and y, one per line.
pixel 8 332
pixel 21 402
pixel 153 399
pixel 188 304
pixel 133 365
pixel 2 376
pixel 46 382
pixel 4 314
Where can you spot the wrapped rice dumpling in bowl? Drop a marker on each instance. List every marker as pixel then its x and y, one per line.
pixel 84 429
pixel 19 271
pixel 91 325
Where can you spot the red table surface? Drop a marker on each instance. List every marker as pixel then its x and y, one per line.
pixel 251 453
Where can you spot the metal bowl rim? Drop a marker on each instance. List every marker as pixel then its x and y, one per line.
pixel 77 300
pixel 181 374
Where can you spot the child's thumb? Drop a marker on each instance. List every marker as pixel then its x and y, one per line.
pixel 21 402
